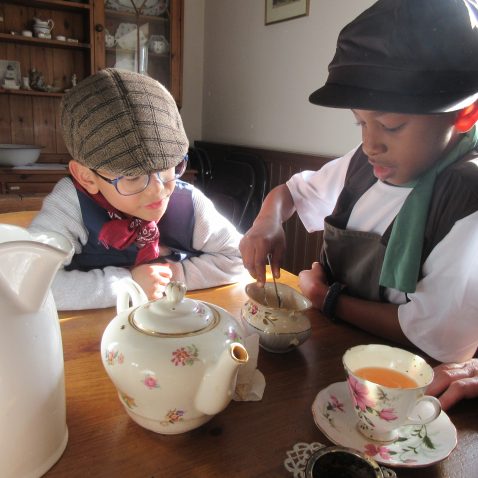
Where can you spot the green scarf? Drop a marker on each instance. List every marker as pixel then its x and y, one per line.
pixel 401 264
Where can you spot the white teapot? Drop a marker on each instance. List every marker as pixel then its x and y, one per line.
pixel 174 360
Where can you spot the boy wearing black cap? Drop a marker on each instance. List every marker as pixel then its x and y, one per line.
pixel 400 212
pixel 124 209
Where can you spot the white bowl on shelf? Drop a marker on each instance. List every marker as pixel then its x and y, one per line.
pixel 19 154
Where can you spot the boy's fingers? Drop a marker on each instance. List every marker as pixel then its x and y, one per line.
pixel 459 389
pixel 444 376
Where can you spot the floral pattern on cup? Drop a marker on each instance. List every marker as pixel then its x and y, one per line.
pixel 333 405
pixel 413 441
pixel 418 442
pixel 113 356
pixel 366 406
pixel 185 355
pixel 173 416
pixel 150 381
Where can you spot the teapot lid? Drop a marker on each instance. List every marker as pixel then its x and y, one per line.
pixel 174 315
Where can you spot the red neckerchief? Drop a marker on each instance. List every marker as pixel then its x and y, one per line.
pixel 122 231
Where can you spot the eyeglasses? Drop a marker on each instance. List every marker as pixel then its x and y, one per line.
pixel 129 185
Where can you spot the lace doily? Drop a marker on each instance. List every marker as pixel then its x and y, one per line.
pixel 297 457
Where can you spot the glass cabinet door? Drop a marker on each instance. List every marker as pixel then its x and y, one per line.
pixel 143 36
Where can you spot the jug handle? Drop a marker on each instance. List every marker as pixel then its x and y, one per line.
pixel 51 24
pixel 128 289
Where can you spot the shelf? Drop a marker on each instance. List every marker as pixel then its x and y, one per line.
pixel 3 91
pixel 55 4
pixel 31 116
pixel 42 42
pixel 114 50
pixel 133 18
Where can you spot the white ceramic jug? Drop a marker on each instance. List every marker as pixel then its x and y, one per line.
pixel 43 24
pixel 33 432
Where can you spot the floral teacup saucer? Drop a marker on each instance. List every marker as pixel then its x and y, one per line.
pixel 416 445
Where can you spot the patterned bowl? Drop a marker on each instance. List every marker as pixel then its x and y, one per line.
pixel 281 329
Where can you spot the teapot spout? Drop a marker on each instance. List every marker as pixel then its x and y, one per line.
pixel 218 384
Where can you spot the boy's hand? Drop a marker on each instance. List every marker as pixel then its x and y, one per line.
pixel 153 278
pixel 313 284
pixel 264 237
pixel 454 381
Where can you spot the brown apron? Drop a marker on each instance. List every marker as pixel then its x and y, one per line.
pixel 354 258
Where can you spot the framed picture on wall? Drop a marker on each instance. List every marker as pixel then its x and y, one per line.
pixel 281 10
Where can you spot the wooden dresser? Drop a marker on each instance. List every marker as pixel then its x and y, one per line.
pixel 75 50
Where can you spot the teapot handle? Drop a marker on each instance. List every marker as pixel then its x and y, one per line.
pixel 128 289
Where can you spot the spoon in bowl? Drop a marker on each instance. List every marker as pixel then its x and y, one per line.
pixel 279 300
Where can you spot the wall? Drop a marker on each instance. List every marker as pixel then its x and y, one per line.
pixel 257 78
pixel 193 68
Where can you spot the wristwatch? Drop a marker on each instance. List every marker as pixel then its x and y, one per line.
pixel 330 300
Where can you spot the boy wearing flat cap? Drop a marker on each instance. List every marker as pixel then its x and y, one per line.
pixel 399 212
pixel 125 209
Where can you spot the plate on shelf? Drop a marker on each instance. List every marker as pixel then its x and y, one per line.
pixel 416 445
pixel 126 35
pixel 151 7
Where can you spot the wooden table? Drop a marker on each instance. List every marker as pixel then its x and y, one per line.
pixel 248 439
pixel 21 218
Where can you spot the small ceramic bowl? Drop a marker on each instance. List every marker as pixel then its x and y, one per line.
pixel 280 329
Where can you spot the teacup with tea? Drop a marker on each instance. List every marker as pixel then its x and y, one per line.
pixel 387 386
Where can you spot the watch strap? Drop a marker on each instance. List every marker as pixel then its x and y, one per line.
pixel 331 299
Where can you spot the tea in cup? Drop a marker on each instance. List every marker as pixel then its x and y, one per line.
pixel 387 386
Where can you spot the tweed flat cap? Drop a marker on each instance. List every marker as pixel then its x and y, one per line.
pixel 123 123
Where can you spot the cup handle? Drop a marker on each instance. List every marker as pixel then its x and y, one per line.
pixel 436 411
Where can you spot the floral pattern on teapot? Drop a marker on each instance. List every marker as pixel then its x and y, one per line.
pixel 185 355
pixel 232 334
pixel 127 400
pixel 112 356
pixel 150 381
pixel 173 416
